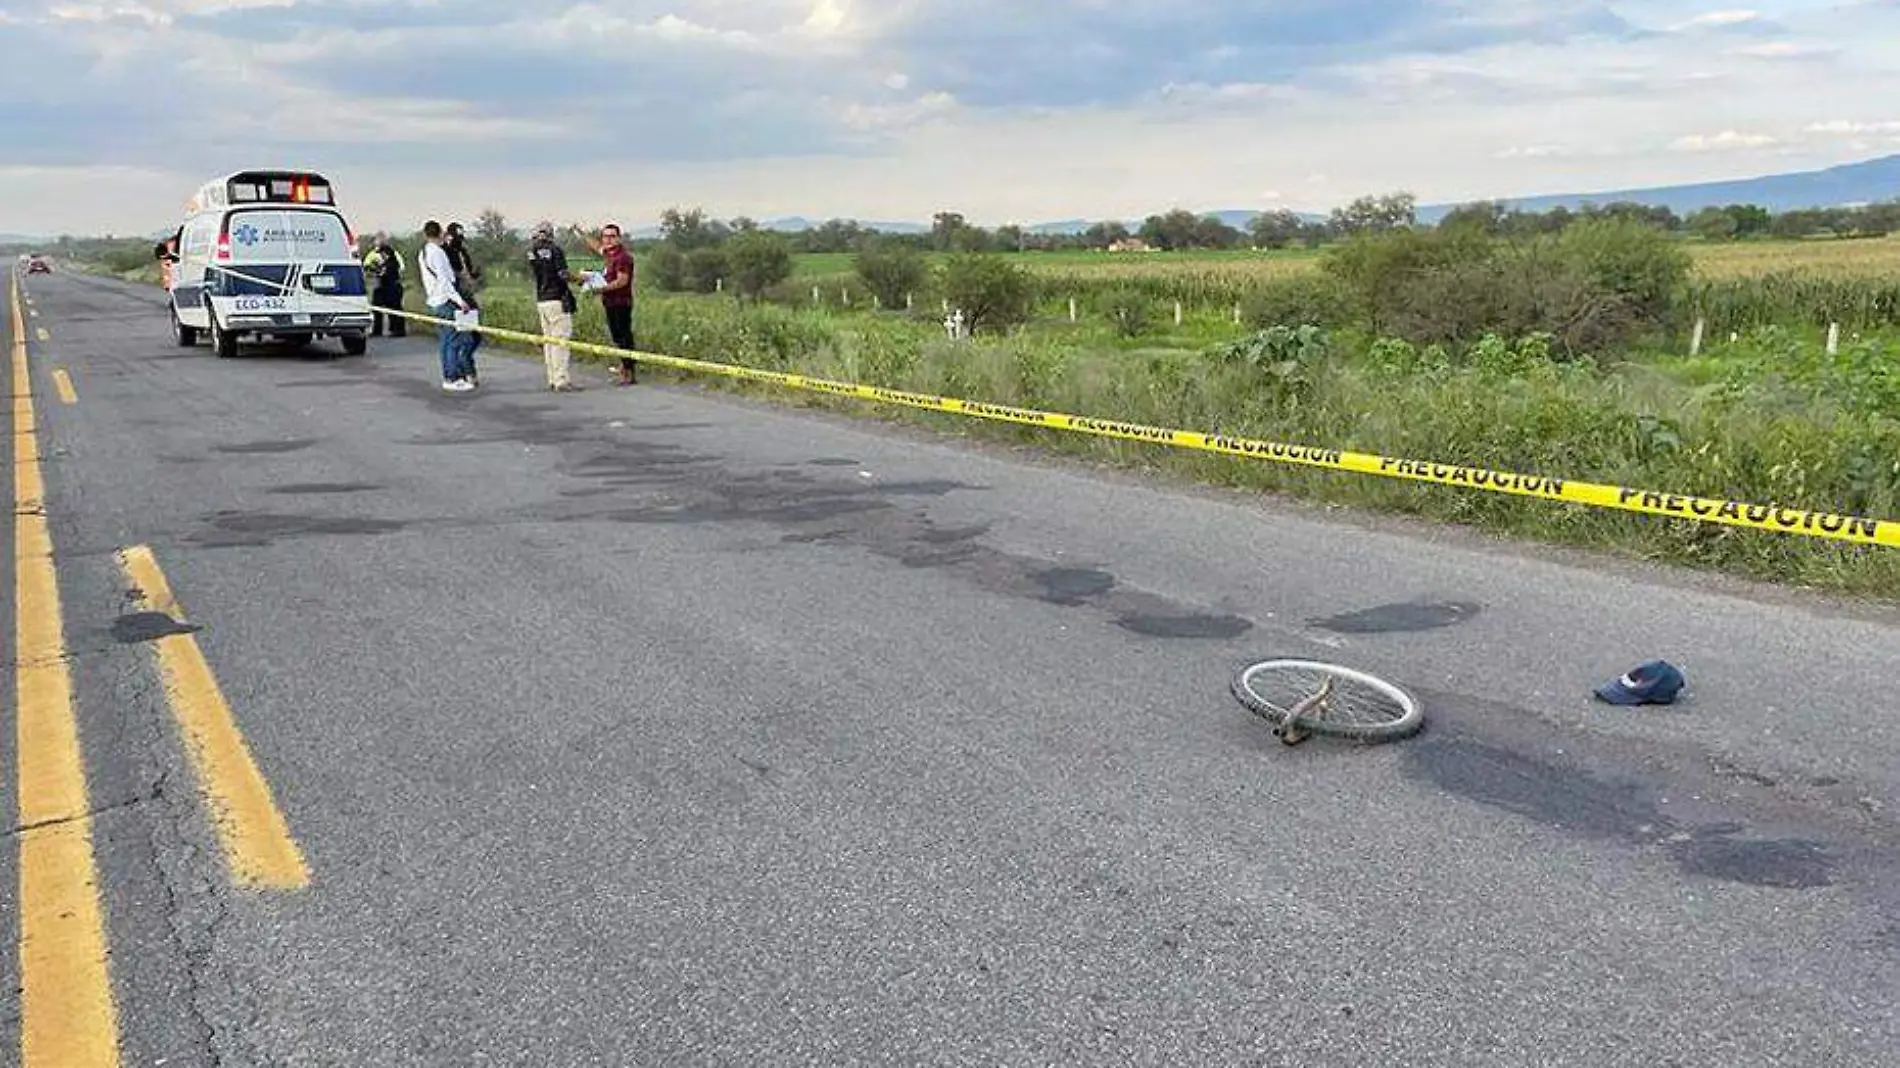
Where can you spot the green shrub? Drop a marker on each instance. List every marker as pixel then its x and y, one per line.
pixel 123 259
pixel 1596 285
pixel 1643 266
pixel 993 293
pixel 891 271
pixel 706 268
pixel 1378 271
pixel 1288 358
pixel 758 260
pixel 1316 298
pixel 1128 310
pixel 666 267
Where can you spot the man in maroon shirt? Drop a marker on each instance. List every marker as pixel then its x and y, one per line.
pixel 616 297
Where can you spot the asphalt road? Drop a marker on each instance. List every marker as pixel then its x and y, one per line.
pixel 662 727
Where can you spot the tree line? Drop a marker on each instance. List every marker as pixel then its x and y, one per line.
pixel 697 252
pixel 1179 229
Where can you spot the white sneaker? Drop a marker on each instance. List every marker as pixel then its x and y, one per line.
pixel 460 385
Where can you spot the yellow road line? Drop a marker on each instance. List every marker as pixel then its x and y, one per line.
pixel 63 382
pixel 67 1015
pixel 257 842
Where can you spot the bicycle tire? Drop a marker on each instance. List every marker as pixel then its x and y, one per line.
pixel 1409 720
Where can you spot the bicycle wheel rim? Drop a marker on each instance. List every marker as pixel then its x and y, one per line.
pixel 1364 706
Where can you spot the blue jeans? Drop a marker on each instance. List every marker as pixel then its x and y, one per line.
pixel 467 342
pixel 447 336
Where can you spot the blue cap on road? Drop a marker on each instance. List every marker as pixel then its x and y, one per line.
pixel 1654 683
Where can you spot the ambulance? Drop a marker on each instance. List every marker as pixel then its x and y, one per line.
pixel 267 255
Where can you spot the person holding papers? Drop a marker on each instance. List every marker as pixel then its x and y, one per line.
pixel 616 297
pixel 446 302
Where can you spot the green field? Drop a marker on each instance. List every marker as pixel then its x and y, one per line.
pixel 1863 258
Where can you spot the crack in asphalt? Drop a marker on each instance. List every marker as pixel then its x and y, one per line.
pixel 61 821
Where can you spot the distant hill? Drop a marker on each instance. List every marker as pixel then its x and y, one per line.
pixel 795 223
pixel 792 224
pixel 1846 184
pixel 1238 218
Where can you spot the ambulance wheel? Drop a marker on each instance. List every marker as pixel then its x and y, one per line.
pixel 185 336
pixel 223 342
pixel 355 345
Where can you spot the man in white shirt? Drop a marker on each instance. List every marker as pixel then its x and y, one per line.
pixel 438 286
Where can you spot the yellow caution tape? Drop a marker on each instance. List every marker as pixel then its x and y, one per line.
pixel 1779 519
pixel 1776 518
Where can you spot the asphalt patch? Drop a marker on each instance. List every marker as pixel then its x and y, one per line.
pixel 1576 802
pixel 302 488
pixel 860 513
pixel 1783 863
pixel 1392 618
pixel 814 510
pixel 1556 796
pixel 1073 585
pixel 1193 625
pixel 252 447
pixel 232 529
pixel 134 628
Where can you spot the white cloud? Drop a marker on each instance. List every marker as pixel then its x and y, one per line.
pixel 1787 50
pixel 1727 140
pixel 1847 127
pixel 1227 94
pixel 1717 19
pixel 827 17
pixel 156 12
pixel 926 108
pixel 1535 152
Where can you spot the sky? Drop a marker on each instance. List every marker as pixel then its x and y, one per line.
pixel 112 112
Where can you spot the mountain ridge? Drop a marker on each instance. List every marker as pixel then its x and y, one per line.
pixel 1840 185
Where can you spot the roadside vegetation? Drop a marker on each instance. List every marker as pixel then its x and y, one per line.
pixel 1556 344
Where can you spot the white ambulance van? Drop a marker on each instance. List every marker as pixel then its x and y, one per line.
pixel 267 254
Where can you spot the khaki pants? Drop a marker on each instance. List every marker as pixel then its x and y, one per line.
pixel 555 322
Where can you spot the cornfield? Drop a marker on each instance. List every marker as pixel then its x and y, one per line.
pixel 1736 286
pixel 1862 258
pixel 1795 298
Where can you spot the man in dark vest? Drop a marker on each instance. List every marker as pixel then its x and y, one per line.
pixel 384 268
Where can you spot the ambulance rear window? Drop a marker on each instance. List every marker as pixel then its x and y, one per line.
pixel 287 235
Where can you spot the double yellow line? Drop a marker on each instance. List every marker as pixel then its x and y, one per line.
pixel 68 1018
